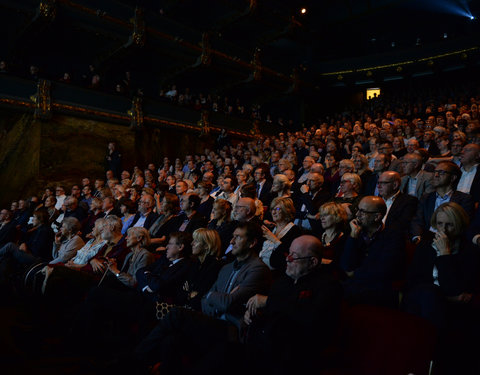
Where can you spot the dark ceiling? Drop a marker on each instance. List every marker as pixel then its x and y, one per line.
pixel 331 36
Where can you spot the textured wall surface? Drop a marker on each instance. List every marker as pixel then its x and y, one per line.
pixel 35 154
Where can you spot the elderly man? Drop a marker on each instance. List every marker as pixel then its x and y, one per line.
pixel 381 164
pixel 303 172
pixel 374 256
pixel 296 309
pixel 312 195
pixel 145 216
pixel 416 181
pixel 400 207
pixel 470 180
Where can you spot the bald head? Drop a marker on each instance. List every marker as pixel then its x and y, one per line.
pixel 244 209
pixel 304 256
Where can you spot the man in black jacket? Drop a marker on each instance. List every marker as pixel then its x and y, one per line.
pixel 302 304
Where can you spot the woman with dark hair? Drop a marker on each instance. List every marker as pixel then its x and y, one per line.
pixel 206 201
pixel 167 222
pixel 444 272
pixel 128 209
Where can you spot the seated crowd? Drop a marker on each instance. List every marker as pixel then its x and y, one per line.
pixel 256 246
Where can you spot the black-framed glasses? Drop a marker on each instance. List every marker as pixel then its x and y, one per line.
pixel 364 212
pixel 290 258
pixel 384 182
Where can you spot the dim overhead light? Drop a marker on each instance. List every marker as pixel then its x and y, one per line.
pixel 303 10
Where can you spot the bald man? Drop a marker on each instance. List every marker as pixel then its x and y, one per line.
pixel 470 180
pixel 400 207
pixel 374 256
pixel 293 312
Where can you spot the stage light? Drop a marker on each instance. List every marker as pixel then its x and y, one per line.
pixel 303 10
pixel 445 35
pixel 471 17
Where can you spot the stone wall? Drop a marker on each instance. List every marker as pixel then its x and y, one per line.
pixel 35 154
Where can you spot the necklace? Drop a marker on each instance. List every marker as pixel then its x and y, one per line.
pixel 324 239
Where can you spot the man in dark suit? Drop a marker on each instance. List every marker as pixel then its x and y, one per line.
pixel 145 216
pixel 400 207
pixel 309 199
pixel 374 256
pixel 470 180
pixel 445 180
pixel 192 220
pixel 263 186
pixel 381 164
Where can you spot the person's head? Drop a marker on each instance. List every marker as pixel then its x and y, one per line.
pixel 332 215
pixel 360 163
pixel 350 182
pixel 345 166
pixel 308 161
pixel 71 203
pixel 451 219
pixel 98 227
pixel 470 155
pixel 138 236
pixel 127 206
pixel 245 240
pixel 75 192
pixel 228 184
pixel 112 228
pixel 146 204
pixel 59 191
pixel 386 148
pixel 304 256
pixel 388 184
pixel 50 201
pixel 290 173
pixel 70 226
pixel 381 163
pixel 171 180
pixel 189 202
pixel 221 210
pixel 371 211
pixel 446 175
pixel 411 164
pixel 206 242
pixel 259 175
pixel 456 147
pixel 40 217
pixel 244 209
pixel 179 246
pixel 284 164
pixel 204 188
pixel 181 188
pixel 5 215
pixel 170 204
pixel 282 210
pixel 281 184
pixel 412 145
pixel 315 181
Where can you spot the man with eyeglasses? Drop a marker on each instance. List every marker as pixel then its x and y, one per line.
pixel 303 303
pixel 60 195
pixel 381 164
pixel 400 207
pixel 374 256
pixel 445 180
pixel 307 202
pixel 145 216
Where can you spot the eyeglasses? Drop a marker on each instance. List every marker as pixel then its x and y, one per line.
pixel 276 209
pixel 441 173
pixel 384 182
pixel 361 211
pixel 290 258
